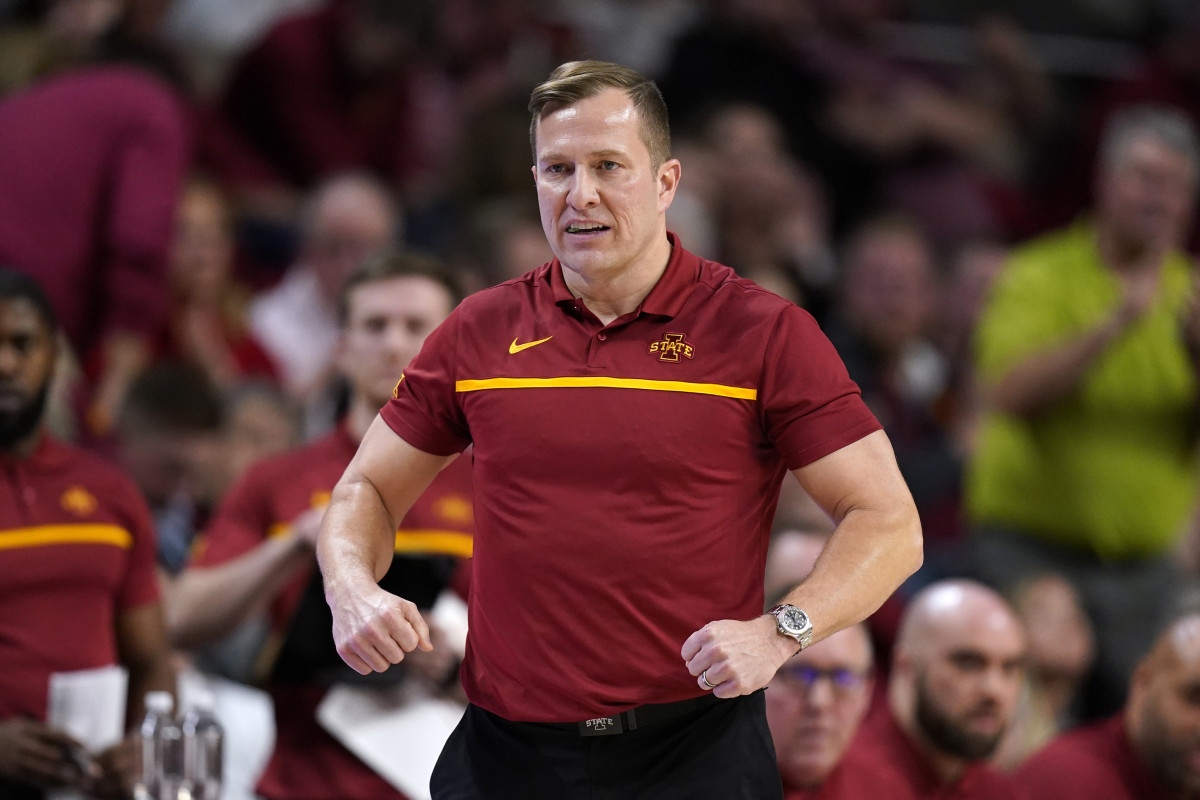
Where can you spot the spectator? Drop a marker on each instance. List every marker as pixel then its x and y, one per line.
pixel 77 578
pixel 168 438
pixel 1061 652
pixel 814 706
pixel 1086 457
pixel 258 552
pixel 209 325
pixel 882 329
pixel 90 180
pixel 956 676
pixel 1145 752
pixel 345 220
pixel 336 88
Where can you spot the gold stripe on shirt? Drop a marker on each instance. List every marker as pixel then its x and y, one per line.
pixel 89 533
pixel 687 387
pixel 415 540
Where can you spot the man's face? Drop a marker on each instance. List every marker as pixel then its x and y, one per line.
pixel 890 290
pixel 966 690
pixel 27 353
pixel 1165 699
pixel 350 224
pixel 815 704
pixel 602 205
pixel 1146 194
pixel 387 323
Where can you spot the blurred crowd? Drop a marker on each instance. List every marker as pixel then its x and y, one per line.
pixel 999 241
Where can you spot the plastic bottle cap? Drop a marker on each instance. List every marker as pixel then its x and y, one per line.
pixel 160 702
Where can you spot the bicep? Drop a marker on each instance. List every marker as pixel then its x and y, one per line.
pixel 861 475
pixel 395 469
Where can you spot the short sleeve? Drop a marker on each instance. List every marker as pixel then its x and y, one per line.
pixel 424 410
pixel 810 407
pixel 241 523
pixel 140 584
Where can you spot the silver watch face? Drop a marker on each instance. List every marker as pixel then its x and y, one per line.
pixel 793 621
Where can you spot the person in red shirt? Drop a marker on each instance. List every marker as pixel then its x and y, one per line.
pixel 257 554
pixel 815 704
pixel 633 410
pixel 94 162
pixel 957 672
pixel 1149 751
pixel 77 570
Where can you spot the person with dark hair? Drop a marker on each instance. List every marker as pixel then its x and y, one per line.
pixel 632 410
pixel 77 573
pixel 1149 750
pixel 957 671
pixel 256 556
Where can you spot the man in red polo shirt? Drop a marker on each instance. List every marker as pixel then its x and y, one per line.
pixel 77 570
pixel 632 409
pixel 257 555
pixel 1150 751
pixel 957 672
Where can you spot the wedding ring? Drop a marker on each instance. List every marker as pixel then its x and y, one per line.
pixel 704 677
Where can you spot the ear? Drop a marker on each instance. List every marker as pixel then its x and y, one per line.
pixel 669 173
pixel 533 172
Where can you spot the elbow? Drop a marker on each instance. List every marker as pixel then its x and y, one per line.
pixel 910 540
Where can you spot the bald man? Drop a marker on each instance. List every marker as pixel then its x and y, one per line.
pixel 815 704
pixel 1150 750
pixel 957 671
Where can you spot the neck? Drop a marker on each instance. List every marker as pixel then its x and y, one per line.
pixel 947 768
pixel 23 448
pixel 1126 255
pixel 616 293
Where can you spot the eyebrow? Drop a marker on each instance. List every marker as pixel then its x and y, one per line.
pixel 602 154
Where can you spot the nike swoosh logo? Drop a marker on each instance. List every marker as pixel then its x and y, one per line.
pixel 516 348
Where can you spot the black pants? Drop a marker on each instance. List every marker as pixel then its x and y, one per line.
pixel 722 752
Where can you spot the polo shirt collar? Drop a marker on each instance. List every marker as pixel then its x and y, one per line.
pixel 49 455
pixel 667 297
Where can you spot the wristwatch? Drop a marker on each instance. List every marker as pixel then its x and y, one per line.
pixel 794 623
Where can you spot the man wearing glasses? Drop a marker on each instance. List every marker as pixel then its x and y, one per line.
pixel 815 703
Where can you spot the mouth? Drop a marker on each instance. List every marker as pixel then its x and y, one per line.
pixel 586 228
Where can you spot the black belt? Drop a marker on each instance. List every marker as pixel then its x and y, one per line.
pixel 634 718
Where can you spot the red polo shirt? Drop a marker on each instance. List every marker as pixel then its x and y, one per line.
pixel 626 474
pixel 1090 762
pixel 76 548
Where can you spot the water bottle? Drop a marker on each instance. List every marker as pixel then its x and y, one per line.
pixel 203 749
pixel 149 767
pixel 172 781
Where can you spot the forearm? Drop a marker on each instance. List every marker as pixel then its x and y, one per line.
pixel 208 602
pixel 1047 377
pixel 871 552
pixel 356 545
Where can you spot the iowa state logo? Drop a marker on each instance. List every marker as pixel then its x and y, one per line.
pixel 671 347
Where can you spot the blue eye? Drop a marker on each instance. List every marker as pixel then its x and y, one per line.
pixel 608 165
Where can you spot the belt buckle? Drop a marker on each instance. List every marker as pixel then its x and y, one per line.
pixel 601 726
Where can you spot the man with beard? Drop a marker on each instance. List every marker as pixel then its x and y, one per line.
pixel 77 571
pixel 1149 751
pixel 814 708
pixel 957 672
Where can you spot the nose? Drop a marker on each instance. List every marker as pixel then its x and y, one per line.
pixel 583 194
pixel 9 359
